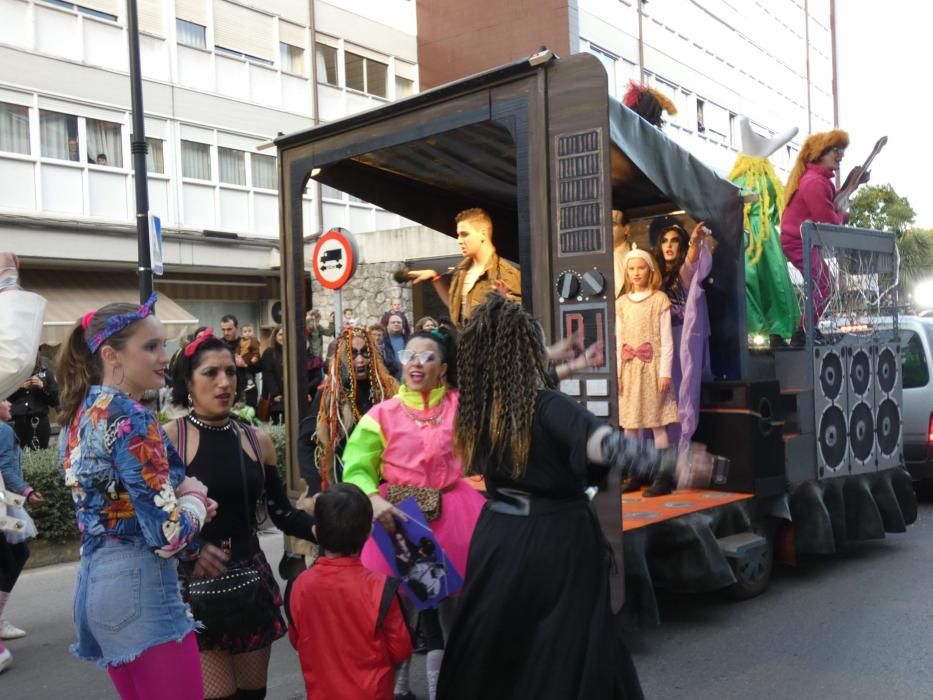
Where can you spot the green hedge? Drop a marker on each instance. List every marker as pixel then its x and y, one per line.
pixel 55 518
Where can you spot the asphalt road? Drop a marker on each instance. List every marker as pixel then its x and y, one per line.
pixel 855 626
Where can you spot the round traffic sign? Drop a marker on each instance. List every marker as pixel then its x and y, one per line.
pixel 334 259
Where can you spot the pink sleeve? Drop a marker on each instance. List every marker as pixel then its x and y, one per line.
pixel 818 194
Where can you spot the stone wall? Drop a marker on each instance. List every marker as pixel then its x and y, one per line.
pixel 369 293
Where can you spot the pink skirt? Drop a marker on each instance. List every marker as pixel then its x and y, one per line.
pixel 460 509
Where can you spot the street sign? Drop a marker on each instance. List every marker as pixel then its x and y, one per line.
pixel 155 244
pixel 335 258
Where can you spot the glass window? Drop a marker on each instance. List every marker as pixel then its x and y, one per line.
pixel 155 157
pixel 355 71
pixel 327 64
pixel 291 58
pixel 376 78
pixel 329 192
pixel 104 143
pixel 914 363
pixel 263 171
pixel 83 10
pixel 403 87
pixel 14 128
pixel 701 121
pixel 191 34
pixel 195 160
pixel 58 135
pixel 609 63
pixel 232 166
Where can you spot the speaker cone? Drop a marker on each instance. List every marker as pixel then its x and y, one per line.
pixel 861 432
pixel 832 437
pixel 831 376
pixel 860 372
pixel 889 427
pixel 887 370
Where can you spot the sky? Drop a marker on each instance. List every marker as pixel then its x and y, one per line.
pixel 884 65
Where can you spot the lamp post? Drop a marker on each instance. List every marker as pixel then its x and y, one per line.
pixel 139 149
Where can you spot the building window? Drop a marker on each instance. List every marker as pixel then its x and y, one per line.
pixel 365 74
pixel 195 160
pixel 232 166
pixel 291 58
pixel 701 122
pixel 403 87
pixel 327 64
pixel 155 157
pixel 104 143
pixel 14 128
pixel 58 135
pixel 263 171
pixel 328 192
pixel 232 53
pixel 191 34
pixel 733 126
pixel 89 11
pixel 609 63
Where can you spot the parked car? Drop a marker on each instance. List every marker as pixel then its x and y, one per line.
pixel 916 334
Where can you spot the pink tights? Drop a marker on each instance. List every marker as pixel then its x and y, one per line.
pixel 172 670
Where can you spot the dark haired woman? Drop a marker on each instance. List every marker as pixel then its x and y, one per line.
pixel 273 378
pixel 685 261
pixel 534 618
pixel 31 404
pixel 238 464
pixel 408 441
pixel 136 510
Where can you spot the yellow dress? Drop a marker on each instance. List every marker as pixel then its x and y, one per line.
pixel 638 331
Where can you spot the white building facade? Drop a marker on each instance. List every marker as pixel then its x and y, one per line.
pixel 221 78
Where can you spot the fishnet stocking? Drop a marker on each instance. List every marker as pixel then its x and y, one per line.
pixel 225 672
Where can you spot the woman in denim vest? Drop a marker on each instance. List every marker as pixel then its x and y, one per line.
pixel 137 512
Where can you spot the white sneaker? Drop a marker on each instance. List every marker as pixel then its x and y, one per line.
pixel 10 631
pixel 6 658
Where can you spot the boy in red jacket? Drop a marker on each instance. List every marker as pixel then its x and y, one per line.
pixel 345 620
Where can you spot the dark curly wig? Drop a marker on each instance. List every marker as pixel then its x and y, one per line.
pixel 502 366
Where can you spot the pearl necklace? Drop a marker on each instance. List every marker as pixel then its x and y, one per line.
pixel 198 423
pixel 424 421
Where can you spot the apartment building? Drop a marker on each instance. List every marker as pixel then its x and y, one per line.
pixel 717 60
pixel 221 77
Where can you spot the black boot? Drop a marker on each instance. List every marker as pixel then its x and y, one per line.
pixel 632 484
pixel 664 482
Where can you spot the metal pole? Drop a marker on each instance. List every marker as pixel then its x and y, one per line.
pixel 641 46
pixel 139 149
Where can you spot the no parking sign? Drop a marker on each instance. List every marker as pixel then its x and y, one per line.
pixel 335 258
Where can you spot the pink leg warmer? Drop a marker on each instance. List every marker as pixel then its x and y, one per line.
pixel 170 669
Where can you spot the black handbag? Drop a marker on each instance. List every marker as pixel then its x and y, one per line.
pixel 231 602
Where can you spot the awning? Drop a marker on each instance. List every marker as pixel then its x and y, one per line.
pixel 70 295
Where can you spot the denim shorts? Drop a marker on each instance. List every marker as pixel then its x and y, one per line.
pixel 126 600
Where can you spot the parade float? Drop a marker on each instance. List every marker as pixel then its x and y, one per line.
pixel 807 439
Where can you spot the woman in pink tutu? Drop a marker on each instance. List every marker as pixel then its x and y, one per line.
pixel 409 441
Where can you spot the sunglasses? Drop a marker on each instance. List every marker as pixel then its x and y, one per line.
pixel 423 357
pixel 364 352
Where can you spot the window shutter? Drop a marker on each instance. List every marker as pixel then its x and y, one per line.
pixel 291 34
pixel 243 30
pixel 150 16
pixel 192 10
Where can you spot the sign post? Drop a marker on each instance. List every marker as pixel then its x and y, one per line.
pixel 334 262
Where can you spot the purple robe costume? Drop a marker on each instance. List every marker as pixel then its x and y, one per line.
pixel 691 347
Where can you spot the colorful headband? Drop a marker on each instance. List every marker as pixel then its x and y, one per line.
pixel 192 347
pixel 116 323
pixel 643 254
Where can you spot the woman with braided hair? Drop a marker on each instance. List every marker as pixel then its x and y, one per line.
pixel 534 617
pixel 356 381
pixel 405 447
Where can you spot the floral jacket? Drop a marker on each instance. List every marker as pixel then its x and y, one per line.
pixel 122 471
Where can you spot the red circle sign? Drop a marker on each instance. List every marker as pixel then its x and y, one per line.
pixel 333 261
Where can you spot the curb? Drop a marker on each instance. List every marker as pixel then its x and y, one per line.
pixel 45 553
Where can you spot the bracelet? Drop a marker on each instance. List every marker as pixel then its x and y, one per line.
pixel 194 506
